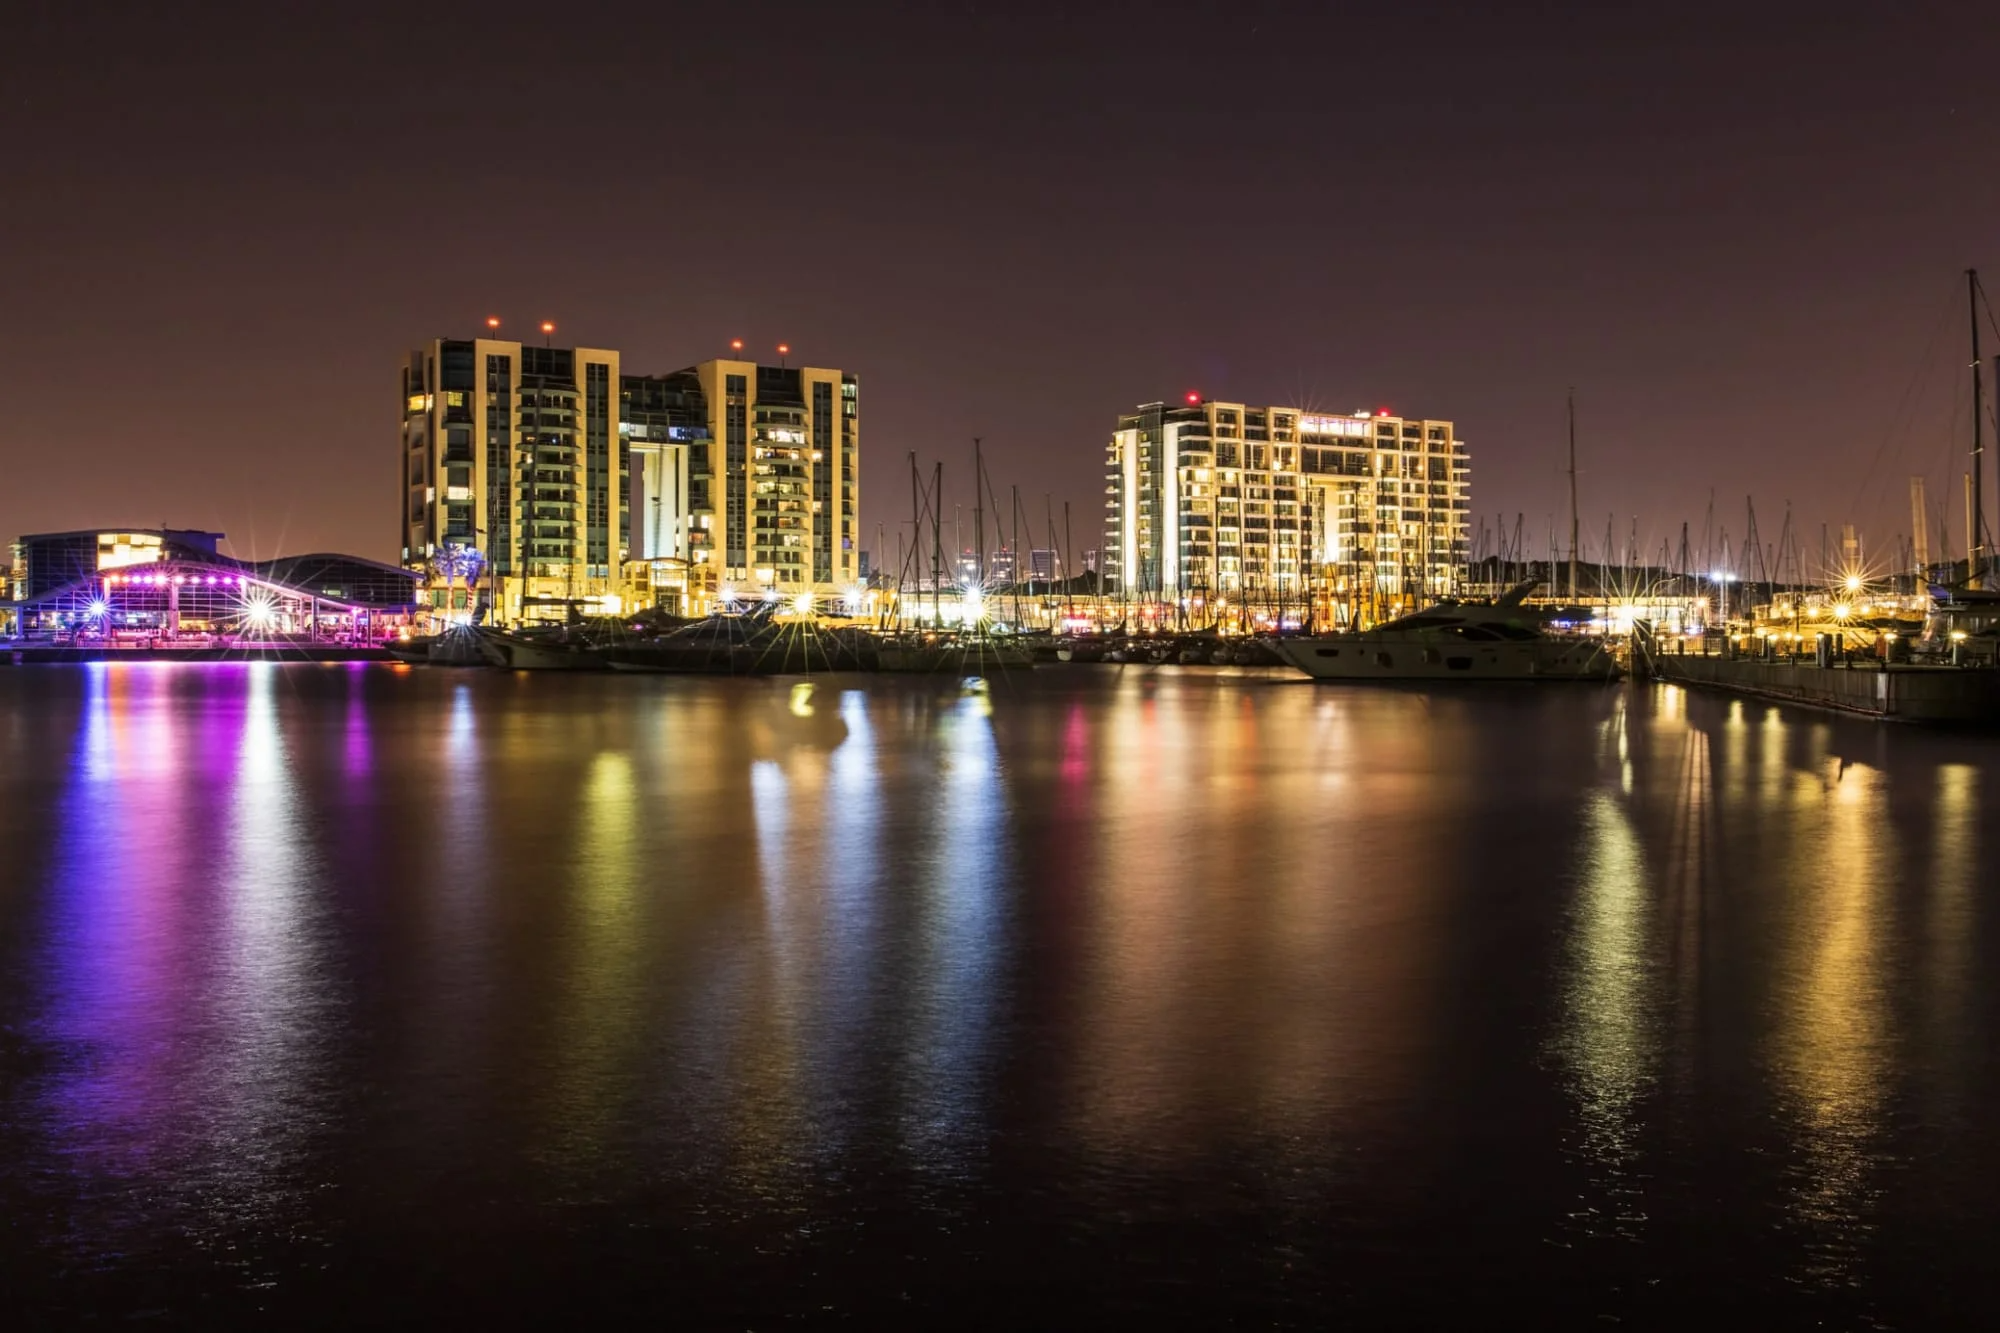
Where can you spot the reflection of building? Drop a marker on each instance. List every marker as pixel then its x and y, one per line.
pixel 571 482
pixel 166 582
pixel 1263 502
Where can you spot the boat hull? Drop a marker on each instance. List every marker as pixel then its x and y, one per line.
pixel 515 654
pixel 1362 657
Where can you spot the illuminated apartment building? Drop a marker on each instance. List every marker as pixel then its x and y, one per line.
pixel 513 451
pixel 1211 499
pixel 571 483
pixel 763 465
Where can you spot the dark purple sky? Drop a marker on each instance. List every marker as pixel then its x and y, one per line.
pixel 1736 229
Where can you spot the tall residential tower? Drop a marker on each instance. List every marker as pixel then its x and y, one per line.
pixel 771 480
pixel 574 483
pixel 513 451
pixel 1211 499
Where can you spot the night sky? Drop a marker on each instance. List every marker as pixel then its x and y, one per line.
pixel 1738 231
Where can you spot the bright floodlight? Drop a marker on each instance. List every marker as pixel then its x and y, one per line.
pixel 803 604
pixel 260 611
pixel 97 609
pixel 1854 583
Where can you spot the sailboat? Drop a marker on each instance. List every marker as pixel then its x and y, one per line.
pixel 1963 624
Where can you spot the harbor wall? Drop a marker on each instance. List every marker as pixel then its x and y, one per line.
pixel 1902 693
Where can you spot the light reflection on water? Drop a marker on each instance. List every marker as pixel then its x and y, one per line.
pixel 345 954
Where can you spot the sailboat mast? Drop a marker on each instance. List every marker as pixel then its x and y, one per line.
pixel 1573 531
pixel 1069 569
pixel 1014 503
pixel 937 546
pixel 1975 563
pixel 916 545
pixel 979 509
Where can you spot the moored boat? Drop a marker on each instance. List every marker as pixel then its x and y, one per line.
pixel 519 652
pixel 1454 642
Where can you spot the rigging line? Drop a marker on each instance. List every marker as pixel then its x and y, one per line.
pixel 1918 379
pixel 1980 287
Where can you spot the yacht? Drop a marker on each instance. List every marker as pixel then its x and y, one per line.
pixel 1963 627
pixel 1449 641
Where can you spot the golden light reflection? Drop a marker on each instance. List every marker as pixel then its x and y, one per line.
pixel 1610 1040
pixel 1832 1052
pixel 601 1007
pixel 1950 926
pixel 1308 953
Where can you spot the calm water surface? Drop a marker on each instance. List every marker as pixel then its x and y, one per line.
pixel 335 993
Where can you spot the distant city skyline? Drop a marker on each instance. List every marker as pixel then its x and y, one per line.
pixel 1753 282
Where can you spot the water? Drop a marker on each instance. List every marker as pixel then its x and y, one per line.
pixel 1157 996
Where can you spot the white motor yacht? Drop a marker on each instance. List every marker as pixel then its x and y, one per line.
pixel 1498 641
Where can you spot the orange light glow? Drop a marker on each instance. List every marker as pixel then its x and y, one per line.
pixel 548 326
pixel 735 344
pixel 493 321
pixel 784 349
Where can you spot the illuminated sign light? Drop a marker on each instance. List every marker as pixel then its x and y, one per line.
pixel 1347 426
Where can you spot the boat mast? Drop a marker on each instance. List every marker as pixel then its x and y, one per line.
pixel 979 510
pixel 1975 559
pixel 1573 532
pixel 916 545
pixel 1014 503
pixel 1069 573
pixel 937 546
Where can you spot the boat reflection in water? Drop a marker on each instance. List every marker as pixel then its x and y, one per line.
pixel 1183 996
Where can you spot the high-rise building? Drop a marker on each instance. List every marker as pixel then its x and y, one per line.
pixel 1042 564
pixel 1213 499
pixel 552 479
pixel 514 473
pixel 751 474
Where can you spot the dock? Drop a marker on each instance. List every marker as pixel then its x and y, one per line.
pixel 1895 692
pixel 44 654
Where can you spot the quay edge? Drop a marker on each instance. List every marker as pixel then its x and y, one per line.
pixel 1934 695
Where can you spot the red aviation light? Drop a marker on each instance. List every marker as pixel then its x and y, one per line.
pixel 1381 411
pixel 784 349
pixel 548 326
pixel 735 344
pixel 493 321
pixel 1194 399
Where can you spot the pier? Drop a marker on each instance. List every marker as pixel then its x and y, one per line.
pixel 1890 691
